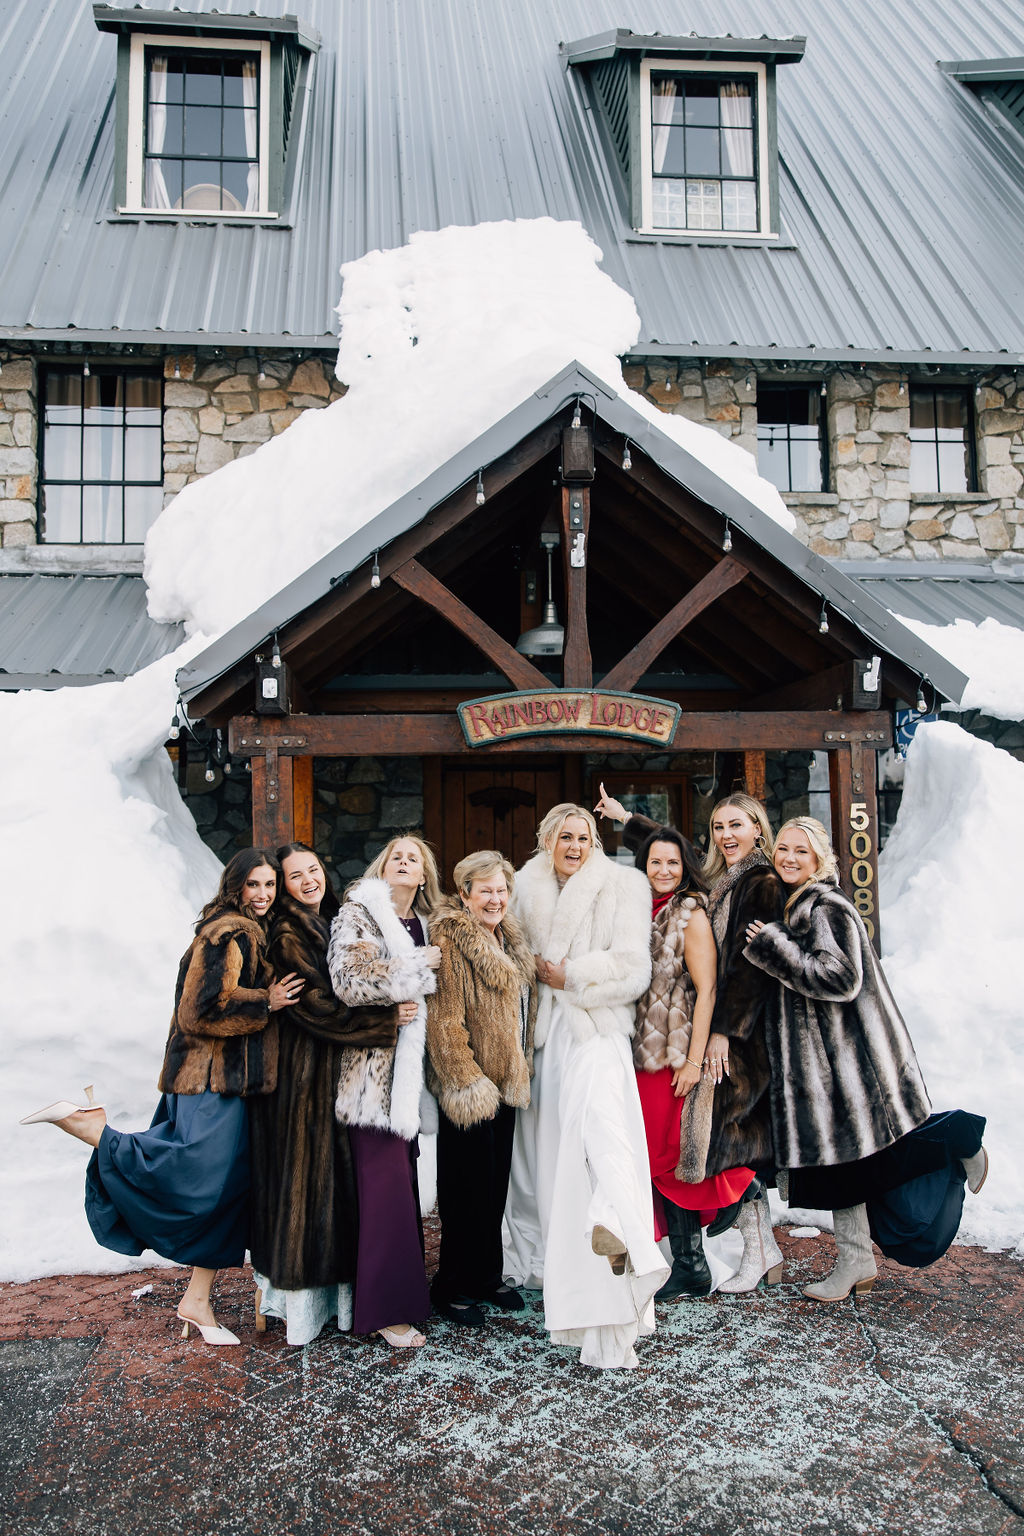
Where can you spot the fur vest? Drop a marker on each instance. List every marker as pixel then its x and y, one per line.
pixel 304 1218
pixel 664 1014
pixel 845 1079
pixel 600 921
pixel 477 1049
pixel 372 959
pixel 223 1036
pixel 728 1124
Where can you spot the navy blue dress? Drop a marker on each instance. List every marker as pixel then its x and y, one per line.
pixel 180 1188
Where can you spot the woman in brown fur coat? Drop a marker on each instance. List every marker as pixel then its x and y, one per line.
pixel 305 1218
pixel 182 1187
pixel 479 1041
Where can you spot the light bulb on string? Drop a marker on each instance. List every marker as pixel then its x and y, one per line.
pixel 86 371
pixel 577 419
pixel 627 462
pixel 275 655
pixel 922 702
pixel 211 772
pixel 481 494
pixel 175 730
pixel 823 621
pixel 177 368
pixel 727 537
pixel 375 573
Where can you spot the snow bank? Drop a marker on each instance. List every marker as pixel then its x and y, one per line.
pixel 951 933
pixel 439 340
pixel 104 874
pixel 992 655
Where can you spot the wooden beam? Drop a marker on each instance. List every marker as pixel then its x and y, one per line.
pixel 726 574
pixel 824 690
pixel 413 578
pixel 419 734
pixel 577 666
pixel 852 771
pixel 302 799
pixel 272 795
pixel 754 772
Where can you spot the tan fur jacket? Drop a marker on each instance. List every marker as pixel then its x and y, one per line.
pixel 665 1012
pixel 223 1035
pixel 476 1053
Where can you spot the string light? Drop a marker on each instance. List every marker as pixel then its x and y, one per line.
pixel 577 419
pixel 823 621
pixel 177 368
pixel 375 573
pixel 211 772
pixel 627 462
pixel 922 702
pixel 275 654
pixel 175 730
pixel 86 373
pixel 727 537
pixel 481 495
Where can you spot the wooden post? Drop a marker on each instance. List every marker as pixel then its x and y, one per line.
pixel 578 669
pixel 754 774
pixel 273 811
pixel 302 799
pixel 852 780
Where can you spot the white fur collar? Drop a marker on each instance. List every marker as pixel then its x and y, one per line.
pixel 553 915
pixel 375 896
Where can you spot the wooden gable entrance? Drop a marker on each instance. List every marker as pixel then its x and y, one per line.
pixel 697 621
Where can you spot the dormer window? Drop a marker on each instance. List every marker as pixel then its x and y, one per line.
pixel 198 137
pixel 209 111
pixel 704 149
pixel 691 122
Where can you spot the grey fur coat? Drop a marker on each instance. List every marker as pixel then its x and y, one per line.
pixel 372 959
pixel 844 1077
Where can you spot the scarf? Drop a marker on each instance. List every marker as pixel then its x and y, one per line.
pixel 719 900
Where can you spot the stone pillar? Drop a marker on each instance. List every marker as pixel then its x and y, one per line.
pixel 19 464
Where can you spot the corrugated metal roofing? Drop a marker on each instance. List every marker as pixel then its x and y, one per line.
pixel 873 620
pixel 943 592
pixel 902 194
pixel 60 630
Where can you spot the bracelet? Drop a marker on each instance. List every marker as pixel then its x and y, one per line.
pixel 694 1063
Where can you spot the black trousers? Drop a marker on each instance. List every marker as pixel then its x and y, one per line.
pixel 472 1183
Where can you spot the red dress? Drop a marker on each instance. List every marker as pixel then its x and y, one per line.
pixel 662 1114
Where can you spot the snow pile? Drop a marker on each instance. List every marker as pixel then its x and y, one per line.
pixel 951 935
pixel 104 875
pixel 440 339
pixel 992 655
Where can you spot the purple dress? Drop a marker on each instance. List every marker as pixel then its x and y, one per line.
pixel 390 1280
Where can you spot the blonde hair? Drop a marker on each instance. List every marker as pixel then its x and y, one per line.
pixel 714 860
pixel 477 866
pixel 821 847
pixel 429 895
pixel 556 818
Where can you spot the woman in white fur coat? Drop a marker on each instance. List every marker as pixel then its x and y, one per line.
pixel 379 954
pixel 580 1214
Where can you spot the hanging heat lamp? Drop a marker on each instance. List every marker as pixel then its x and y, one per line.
pixel 547 639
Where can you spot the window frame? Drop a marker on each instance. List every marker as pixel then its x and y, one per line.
pixel 813 388
pixel 754 70
pixel 99 369
pixel 933 386
pixel 134 203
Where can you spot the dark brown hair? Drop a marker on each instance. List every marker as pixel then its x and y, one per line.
pixel 232 882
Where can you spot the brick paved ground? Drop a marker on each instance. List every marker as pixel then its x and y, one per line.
pixel 767 1414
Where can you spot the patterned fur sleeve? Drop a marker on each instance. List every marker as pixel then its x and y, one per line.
pixel 211 1001
pixel 821 960
pixel 362 972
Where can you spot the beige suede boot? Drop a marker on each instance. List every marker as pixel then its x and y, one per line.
pixel 855 1267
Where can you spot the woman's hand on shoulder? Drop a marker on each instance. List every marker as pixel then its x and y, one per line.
pixel 431 955
pixel 281 994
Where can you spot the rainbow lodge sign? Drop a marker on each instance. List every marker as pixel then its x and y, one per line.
pixel 628 716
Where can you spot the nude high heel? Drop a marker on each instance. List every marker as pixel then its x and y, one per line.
pixel 214 1335
pixel 610 1247
pixel 261 1316
pixel 61 1109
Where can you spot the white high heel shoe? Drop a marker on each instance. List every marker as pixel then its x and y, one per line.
pixel 214 1335
pixel 60 1111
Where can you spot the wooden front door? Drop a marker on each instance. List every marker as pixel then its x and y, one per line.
pixel 470 803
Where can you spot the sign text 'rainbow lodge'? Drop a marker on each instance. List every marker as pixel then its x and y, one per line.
pixel 507 716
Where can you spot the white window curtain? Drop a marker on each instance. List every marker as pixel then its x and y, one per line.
pixel 250 83
pixel 156 193
pixel 661 131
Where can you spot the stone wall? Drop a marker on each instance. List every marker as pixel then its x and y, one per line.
pixel 18 459
pixel 869 509
pixel 358 804
pixel 220 406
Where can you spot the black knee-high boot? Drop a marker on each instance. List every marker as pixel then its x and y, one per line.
pixel 690 1274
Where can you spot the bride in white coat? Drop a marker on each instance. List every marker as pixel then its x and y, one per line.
pixel 579 1214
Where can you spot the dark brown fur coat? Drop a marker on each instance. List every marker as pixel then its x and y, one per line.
pixel 475 1048
pixel 223 1035
pixel 304 1212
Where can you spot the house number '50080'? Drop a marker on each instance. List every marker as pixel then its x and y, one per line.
pixel 862 869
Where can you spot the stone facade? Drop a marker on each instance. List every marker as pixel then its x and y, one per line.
pixel 19 463
pixel 869 509
pixel 358 804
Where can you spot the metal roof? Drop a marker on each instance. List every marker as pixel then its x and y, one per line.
pixel 61 630
pixel 901 192
pixel 945 591
pixel 873 620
